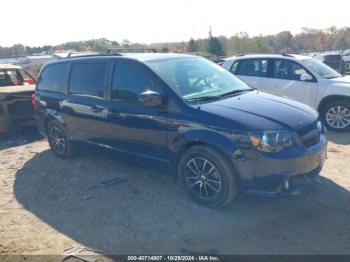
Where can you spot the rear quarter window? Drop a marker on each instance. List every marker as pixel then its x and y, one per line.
pixel 52 78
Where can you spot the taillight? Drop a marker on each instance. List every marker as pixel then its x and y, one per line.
pixel 33 101
pixel 29 81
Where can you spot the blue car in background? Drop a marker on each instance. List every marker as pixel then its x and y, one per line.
pixel 210 129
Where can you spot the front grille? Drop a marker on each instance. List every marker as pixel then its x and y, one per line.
pixel 309 135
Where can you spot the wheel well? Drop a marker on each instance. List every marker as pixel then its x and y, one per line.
pixel 200 143
pixel 328 99
pixel 183 148
pixel 47 120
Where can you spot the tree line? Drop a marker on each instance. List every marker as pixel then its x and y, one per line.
pixel 309 39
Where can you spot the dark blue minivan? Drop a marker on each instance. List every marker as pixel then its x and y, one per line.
pixel 214 132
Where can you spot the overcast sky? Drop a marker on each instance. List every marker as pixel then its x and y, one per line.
pixel 40 22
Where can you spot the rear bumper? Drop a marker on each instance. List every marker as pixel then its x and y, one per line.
pixel 282 176
pixel 40 123
pixel 11 122
pixel 16 113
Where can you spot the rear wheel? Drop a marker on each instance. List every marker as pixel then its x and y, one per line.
pixel 58 140
pixel 207 177
pixel 336 115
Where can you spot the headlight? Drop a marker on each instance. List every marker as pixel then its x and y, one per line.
pixel 271 141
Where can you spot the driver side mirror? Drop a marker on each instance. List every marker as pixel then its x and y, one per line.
pixel 150 99
pixel 306 77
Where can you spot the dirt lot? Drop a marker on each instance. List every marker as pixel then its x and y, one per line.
pixel 48 205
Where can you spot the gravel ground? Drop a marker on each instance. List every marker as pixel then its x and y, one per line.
pixel 96 200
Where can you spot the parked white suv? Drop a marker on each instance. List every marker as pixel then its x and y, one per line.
pixel 300 78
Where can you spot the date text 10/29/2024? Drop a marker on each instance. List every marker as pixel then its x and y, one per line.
pixel 173 258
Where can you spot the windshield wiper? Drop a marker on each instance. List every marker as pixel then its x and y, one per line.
pixel 233 92
pixel 206 98
pixel 203 98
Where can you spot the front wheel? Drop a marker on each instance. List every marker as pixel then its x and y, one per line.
pixel 207 177
pixel 336 115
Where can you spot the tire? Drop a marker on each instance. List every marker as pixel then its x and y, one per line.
pixel 336 115
pixel 59 143
pixel 204 191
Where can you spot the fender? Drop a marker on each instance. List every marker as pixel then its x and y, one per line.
pixel 338 89
pixel 213 138
pixel 53 115
pixel 331 97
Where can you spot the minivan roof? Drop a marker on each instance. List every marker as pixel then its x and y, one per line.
pixel 143 57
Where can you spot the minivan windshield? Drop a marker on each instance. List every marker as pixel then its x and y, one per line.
pixel 196 78
pixel 322 69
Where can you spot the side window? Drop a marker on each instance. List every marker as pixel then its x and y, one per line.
pixel 87 79
pixel 52 78
pixel 253 67
pixel 129 80
pixel 14 78
pixel 288 70
pixel 4 79
pixel 25 74
pixel 234 67
pixel 26 77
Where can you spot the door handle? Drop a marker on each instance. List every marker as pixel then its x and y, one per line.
pixel 97 109
pixel 42 103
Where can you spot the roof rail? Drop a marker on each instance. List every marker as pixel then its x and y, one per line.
pixel 283 54
pixel 110 52
pixel 130 50
pixel 75 54
pixel 288 55
pixel 79 55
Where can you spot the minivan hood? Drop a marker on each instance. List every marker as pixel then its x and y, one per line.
pixel 341 80
pixel 344 80
pixel 257 110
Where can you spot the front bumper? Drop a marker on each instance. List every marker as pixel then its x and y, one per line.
pixel 284 174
